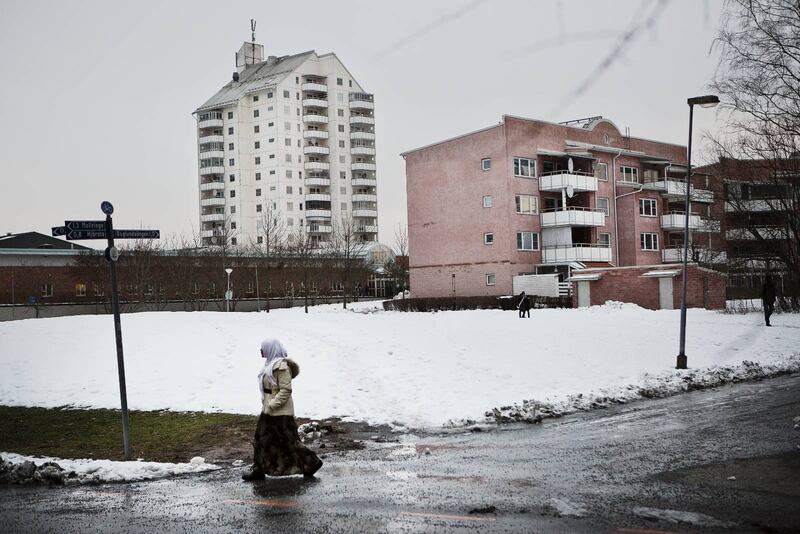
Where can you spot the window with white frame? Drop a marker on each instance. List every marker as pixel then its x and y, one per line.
pixel 47 290
pixel 527 241
pixel 649 241
pixel 647 207
pixel 527 204
pixel 525 167
pixel 80 290
pixel 486 164
pixel 602 204
pixel 604 240
pixel 601 171
pixel 488 238
pixel 487 201
pixel 491 279
pixel 628 174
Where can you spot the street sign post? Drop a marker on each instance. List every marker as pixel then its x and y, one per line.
pixel 74 230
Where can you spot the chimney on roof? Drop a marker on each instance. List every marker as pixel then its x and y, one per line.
pixel 249 54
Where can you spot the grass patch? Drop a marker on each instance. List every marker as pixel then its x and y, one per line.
pixel 155 436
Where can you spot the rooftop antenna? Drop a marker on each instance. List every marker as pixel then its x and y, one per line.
pixel 253 38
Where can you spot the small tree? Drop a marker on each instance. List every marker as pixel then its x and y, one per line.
pixel 303 253
pixel 348 250
pixel 272 234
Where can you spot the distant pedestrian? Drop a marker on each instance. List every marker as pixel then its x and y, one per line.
pixel 523 305
pixel 768 298
pixel 277 450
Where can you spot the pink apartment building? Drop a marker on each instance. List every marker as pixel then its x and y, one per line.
pixel 533 197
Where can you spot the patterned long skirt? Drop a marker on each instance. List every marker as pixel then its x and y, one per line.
pixel 277 450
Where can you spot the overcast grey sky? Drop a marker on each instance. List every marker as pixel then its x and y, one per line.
pixel 96 96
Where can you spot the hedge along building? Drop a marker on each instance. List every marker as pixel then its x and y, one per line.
pixel 532 197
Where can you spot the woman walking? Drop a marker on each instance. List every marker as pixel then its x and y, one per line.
pixel 277 450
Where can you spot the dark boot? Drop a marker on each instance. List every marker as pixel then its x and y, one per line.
pixel 313 468
pixel 254 474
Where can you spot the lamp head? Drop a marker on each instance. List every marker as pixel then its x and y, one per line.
pixel 229 270
pixel 706 101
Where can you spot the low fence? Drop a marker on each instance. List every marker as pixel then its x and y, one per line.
pixel 472 303
pixel 10 312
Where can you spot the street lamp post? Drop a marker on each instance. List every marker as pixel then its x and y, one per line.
pixel 228 271
pixel 707 101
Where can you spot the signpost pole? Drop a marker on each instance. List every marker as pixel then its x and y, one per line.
pixel 123 394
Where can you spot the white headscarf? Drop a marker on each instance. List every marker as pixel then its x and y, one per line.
pixel 273 352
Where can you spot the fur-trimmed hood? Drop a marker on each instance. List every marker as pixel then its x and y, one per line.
pixel 294 368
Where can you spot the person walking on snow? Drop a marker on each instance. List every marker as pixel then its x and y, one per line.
pixel 277 450
pixel 523 305
pixel 768 298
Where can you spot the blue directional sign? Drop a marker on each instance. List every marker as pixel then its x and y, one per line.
pixel 59 231
pixel 106 207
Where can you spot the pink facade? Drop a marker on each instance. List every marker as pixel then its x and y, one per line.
pixel 549 186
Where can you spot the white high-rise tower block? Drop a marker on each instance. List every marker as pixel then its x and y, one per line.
pixel 293 136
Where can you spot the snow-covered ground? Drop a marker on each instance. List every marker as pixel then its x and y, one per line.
pixel 417 369
pixel 86 470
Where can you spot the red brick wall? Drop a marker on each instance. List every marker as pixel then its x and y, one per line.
pixel 628 285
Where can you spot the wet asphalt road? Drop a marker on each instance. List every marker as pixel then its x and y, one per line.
pixel 624 469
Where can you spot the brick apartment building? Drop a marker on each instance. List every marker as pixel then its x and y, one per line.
pixel 760 223
pixel 533 197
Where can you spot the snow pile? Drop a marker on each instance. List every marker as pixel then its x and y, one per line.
pixel 84 470
pixel 412 369
pixel 660 385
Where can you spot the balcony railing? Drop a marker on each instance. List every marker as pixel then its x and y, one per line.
pixel 677 221
pixel 212 153
pixel 319 228
pixel 363 166
pixel 315 103
pixel 365 197
pixel 364 212
pixel 316 166
pixel 360 119
pixel 756 205
pixel 210 233
pixel 216 201
pixel 366 182
pixel 677 189
pixel 212 217
pixel 576 252
pixel 210 139
pixel 369 136
pixel 205 171
pixel 313 118
pixel 210 123
pixel 212 186
pixel 573 216
pixel 362 151
pixel 316 149
pixel 362 101
pixel 675 255
pixel 318 214
pixel 314 86
pixel 317 181
pixel 766 232
pixel 367 229
pixel 321 197
pixel 562 179
pixel 315 134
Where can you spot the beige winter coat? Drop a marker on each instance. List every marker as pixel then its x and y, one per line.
pixel 278 398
